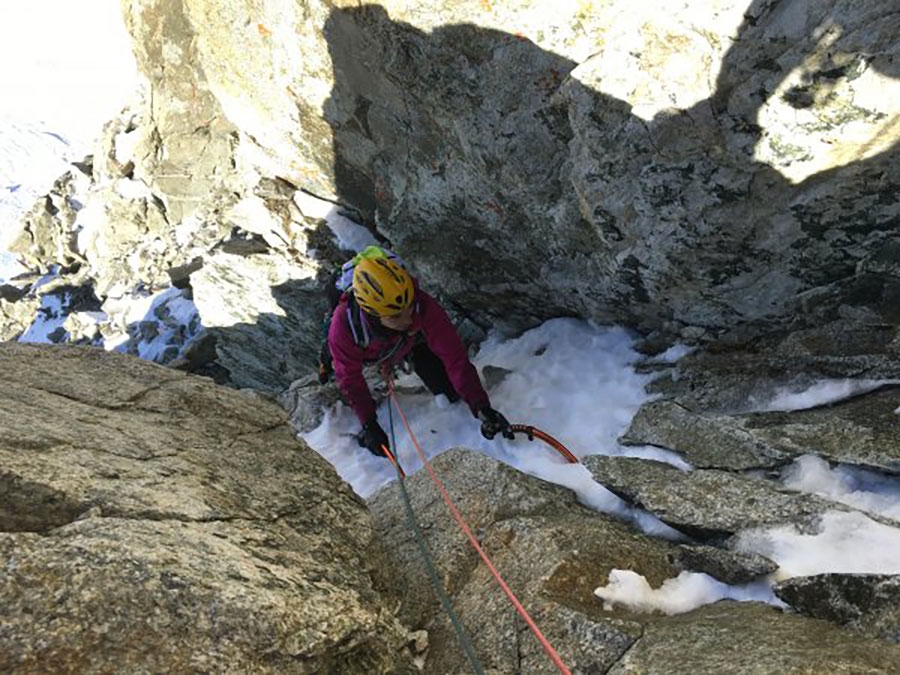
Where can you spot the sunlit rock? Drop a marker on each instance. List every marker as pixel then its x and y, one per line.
pixel 150 519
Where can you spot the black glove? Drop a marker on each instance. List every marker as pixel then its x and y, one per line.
pixel 372 437
pixel 493 423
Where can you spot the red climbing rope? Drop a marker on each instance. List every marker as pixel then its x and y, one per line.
pixel 548 648
pixel 533 432
pixel 393 460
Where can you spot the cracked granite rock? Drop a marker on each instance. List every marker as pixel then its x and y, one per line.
pixel 680 169
pixel 154 521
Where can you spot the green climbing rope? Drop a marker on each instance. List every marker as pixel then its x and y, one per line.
pixel 461 634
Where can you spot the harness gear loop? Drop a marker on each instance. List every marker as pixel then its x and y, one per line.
pixel 545 644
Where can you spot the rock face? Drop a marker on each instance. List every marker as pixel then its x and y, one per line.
pixel 705 504
pixel 856 431
pixel 869 603
pixel 553 552
pixel 747 638
pixel 633 171
pixel 183 145
pixel 747 369
pixel 706 440
pixel 601 161
pixel 730 567
pixel 265 314
pixel 151 520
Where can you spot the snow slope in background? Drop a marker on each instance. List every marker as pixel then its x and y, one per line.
pixel 67 69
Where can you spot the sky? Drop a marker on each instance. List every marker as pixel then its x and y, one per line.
pixel 571 378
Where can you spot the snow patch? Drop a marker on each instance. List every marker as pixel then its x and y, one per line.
pixel 9 267
pixel 820 393
pixel 570 378
pixel 350 235
pixel 156 327
pixel 866 490
pixel 50 318
pixel 681 594
pixel 847 543
pixel 673 353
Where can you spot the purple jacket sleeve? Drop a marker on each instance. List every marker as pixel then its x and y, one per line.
pixel 444 341
pixel 347 359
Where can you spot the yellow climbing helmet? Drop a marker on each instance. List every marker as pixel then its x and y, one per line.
pixel 382 287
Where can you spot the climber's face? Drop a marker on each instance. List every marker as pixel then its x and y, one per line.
pixel 400 321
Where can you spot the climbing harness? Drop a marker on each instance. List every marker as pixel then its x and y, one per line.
pixel 461 635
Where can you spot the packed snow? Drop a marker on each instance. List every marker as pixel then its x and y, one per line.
pixel 569 378
pixel 862 489
pixel 820 393
pixel 350 235
pixel 9 266
pixel 680 594
pixel 59 87
pixel 51 316
pixel 847 542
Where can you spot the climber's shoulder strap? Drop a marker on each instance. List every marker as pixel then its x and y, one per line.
pixel 359 326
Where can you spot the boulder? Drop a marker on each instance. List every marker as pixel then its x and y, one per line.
pixel 265 313
pixel 730 567
pixel 749 638
pixel 860 430
pixel 16 316
pixel 550 550
pixel 151 520
pixel 869 603
pixel 706 440
pixel 709 505
pixel 45 235
pixel 746 368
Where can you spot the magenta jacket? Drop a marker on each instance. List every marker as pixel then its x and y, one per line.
pixel 432 321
